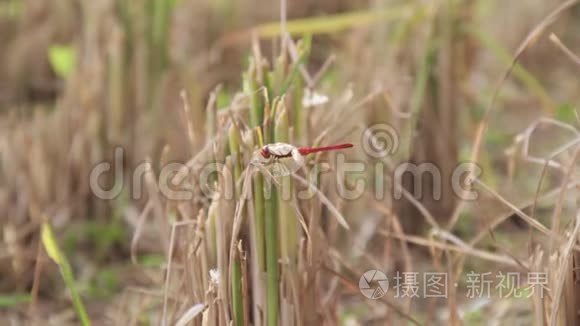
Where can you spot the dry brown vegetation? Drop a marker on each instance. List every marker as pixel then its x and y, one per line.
pixel 206 83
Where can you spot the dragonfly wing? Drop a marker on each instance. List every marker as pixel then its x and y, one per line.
pixel 298 158
pixel 283 167
pixel 271 166
pixel 285 160
pixel 280 149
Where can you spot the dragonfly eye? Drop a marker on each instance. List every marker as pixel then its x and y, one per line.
pixel 265 152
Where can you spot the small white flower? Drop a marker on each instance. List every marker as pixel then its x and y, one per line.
pixel 214 276
pixel 312 98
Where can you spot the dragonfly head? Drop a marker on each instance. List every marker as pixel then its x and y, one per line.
pixel 265 152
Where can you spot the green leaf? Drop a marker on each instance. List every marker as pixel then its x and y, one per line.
pixel 62 59
pixel 334 23
pixel 151 260
pixel 14 299
pixel 104 285
pixel 11 9
pixel 223 99
pixel 566 113
pixel 51 247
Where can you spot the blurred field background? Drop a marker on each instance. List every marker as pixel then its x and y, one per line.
pixel 200 81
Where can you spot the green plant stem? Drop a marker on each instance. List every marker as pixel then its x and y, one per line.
pixel 251 88
pixel 256 119
pixel 271 226
pixel 288 232
pixel 234 138
pixel 271 238
pixel 237 300
pixel 236 274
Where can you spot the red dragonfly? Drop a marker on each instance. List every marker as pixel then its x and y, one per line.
pixel 284 159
